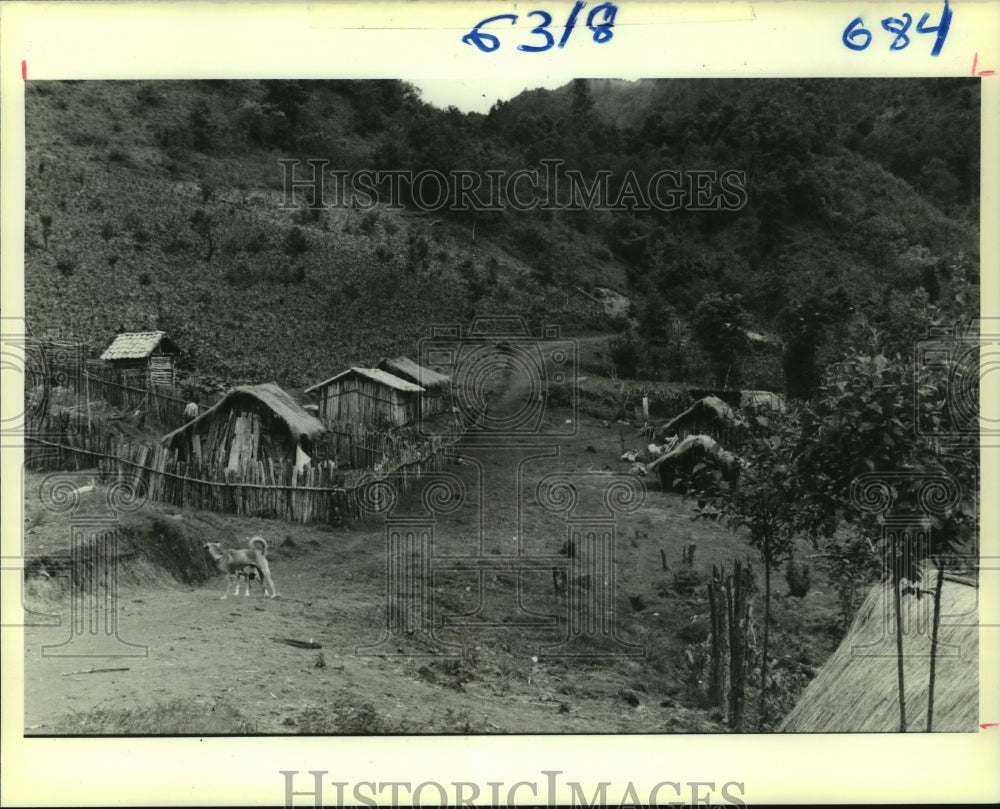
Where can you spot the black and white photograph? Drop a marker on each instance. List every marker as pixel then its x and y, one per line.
pixel 390 408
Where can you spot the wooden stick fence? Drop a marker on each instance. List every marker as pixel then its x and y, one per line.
pixel 316 493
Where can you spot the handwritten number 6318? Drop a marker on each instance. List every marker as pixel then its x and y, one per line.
pixel 544 38
pixel 857 37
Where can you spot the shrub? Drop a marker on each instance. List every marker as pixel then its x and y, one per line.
pixel 797 576
pixel 368 222
pixel 148 96
pixel 686 580
pixel 624 353
pixel 203 128
pixel 296 242
pixel 694 632
pixel 417 250
pixel 66 265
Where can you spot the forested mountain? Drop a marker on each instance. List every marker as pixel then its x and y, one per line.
pixel 158 205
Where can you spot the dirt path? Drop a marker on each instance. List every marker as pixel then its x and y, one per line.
pixel 215 664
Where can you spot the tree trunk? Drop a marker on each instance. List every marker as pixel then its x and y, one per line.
pixel 762 712
pixel 738 588
pixel 934 643
pixel 899 649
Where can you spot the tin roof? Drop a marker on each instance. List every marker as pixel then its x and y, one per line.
pixel 136 345
pixel 375 374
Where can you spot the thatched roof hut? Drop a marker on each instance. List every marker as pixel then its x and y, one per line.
pixel 249 423
pixel 856 690
pixel 368 396
pixel 436 385
pixel 709 415
pixel 682 455
pixel 762 399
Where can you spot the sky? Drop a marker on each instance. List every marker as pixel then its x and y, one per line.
pixel 479 94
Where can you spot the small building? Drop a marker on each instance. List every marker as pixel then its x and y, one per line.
pixel 250 423
pixel 709 415
pixel 437 386
pixel 368 396
pixel 615 304
pixel 143 358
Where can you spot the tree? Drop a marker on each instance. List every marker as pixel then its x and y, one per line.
pixel 765 502
pixel 719 323
pixel 202 224
pixel 657 321
pixel 805 326
pixel 861 444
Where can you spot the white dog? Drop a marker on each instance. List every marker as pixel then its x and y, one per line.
pixel 236 562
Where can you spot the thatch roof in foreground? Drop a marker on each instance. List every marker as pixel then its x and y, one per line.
pixel 283 406
pixel 856 690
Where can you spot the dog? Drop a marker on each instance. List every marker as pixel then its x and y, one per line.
pixel 236 562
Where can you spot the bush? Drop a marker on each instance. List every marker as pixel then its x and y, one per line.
pixel 686 580
pixel 368 222
pixel 66 265
pixel 694 632
pixel 624 352
pixel 296 242
pixel 797 576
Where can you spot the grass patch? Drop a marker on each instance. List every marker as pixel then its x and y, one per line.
pixel 175 718
pixel 348 719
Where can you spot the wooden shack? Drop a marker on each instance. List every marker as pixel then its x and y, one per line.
pixel 252 423
pixel 368 396
pixel 437 386
pixel 143 358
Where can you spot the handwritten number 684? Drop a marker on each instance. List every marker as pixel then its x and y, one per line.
pixel 857 37
pixel 600 21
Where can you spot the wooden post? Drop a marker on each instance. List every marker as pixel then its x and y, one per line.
pixel 717 608
pixel 738 587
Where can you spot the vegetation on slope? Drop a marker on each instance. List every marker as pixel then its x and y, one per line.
pixel 158 205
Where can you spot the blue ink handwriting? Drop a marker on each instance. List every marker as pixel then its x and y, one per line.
pixel 600 20
pixel 857 37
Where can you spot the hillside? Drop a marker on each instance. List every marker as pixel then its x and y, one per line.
pixel 157 205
